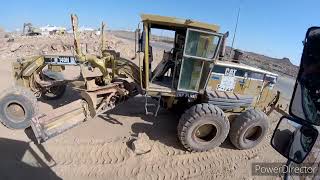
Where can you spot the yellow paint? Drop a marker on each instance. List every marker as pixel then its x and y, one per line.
pixel 146 55
pixel 250 87
pixel 177 22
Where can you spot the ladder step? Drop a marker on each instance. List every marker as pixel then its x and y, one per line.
pixel 149 113
pixel 156 105
pixel 151 105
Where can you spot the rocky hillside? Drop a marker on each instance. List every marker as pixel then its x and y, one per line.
pixel 280 66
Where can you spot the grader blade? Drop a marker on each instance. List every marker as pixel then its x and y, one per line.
pixel 59 120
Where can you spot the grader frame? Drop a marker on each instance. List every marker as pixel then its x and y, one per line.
pixel 191 61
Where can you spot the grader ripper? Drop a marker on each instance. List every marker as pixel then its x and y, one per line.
pixel 210 92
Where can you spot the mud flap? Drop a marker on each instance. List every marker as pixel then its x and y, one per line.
pixel 59 120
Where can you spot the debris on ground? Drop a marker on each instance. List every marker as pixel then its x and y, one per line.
pixel 142 144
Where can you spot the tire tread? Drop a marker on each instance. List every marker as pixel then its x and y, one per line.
pixel 193 114
pixel 242 122
pixel 19 90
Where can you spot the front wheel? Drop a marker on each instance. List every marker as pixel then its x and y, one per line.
pixel 17 107
pixel 54 92
pixel 203 127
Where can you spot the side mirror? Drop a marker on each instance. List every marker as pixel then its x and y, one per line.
pixel 141 42
pixel 293 140
pixel 136 36
pixel 305 101
pixel 137 40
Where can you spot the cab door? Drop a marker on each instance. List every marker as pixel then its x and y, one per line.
pixel 200 50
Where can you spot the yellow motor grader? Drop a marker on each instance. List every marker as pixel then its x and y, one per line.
pixel 216 97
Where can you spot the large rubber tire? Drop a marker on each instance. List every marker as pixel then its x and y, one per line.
pixel 55 92
pixel 249 129
pixel 17 107
pixel 203 127
pixel 129 86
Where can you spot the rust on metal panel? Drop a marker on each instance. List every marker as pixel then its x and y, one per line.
pixel 74 22
pixel 95 104
pixel 47 83
pixel 58 112
pixel 59 120
pixel 91 99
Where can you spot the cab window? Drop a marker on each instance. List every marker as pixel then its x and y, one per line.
pixel 255 75
pixel 201 44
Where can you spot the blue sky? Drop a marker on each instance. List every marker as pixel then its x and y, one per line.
pixel 271 27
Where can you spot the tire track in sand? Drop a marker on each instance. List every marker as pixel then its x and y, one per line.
pixel 120 162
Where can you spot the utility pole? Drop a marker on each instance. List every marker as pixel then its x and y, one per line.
pixel 236 27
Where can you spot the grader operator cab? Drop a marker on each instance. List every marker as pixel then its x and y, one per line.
pixel 212 94
pixel 184 71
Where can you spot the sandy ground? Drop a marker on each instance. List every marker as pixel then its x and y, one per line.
pixel 101 148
